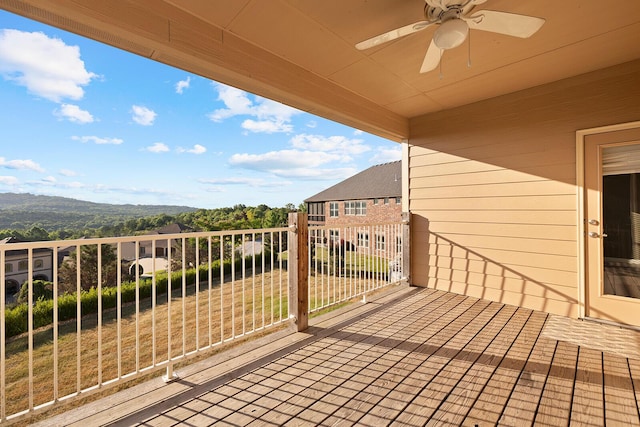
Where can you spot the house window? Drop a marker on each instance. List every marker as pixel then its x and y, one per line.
pixel 349 208
pixel 386 200
pixel 398 244
pixel 375 201
pixel 355 208
pixel 38 263
pixel 8 268
pixel 398 200
pixel 380 242
pixel 23 265
pixel 363 240
pixel 333 209
pixel 315 211
pixel 334 236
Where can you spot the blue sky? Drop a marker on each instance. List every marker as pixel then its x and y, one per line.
pixel 84 120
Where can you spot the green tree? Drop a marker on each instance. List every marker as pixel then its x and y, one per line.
pixel 36 233
pixel 88 268
pixel 41 289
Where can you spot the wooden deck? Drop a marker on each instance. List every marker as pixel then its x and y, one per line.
pixel 413 357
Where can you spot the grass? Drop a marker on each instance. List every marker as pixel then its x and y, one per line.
pixel 228 319
pixel 220 316
pixel 353 260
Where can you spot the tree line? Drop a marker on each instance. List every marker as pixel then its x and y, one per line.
pixel 238 217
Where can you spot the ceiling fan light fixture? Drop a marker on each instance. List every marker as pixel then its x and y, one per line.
pixel 451 33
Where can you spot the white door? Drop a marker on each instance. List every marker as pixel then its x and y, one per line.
pixel 612 226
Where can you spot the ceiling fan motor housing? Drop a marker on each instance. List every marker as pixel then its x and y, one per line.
pixel 451 33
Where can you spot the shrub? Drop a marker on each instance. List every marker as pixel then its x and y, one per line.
pixel 16 317
pixel 41 289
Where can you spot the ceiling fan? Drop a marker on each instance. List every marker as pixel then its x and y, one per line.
pixel 454 18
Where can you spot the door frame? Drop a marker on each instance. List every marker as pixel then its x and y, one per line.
pixel 580 211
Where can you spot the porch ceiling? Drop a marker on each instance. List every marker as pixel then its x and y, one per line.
pixel 301 52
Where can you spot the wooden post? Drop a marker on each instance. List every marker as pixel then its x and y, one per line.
pixel 406 247
pixel 298 265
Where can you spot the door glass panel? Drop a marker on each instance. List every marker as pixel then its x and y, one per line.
pixel 621 220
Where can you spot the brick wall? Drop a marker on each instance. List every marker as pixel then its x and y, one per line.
pixel 376 213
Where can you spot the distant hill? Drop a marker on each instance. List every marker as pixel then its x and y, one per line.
pixel 23 211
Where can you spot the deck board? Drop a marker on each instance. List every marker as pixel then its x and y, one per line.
pixel 420 366
pixel 555 405
pixel 588 405
pixel 496 392
pixel 420 357
pixel 634 370
pixel 454 409
pixel 451 371
pixel 619 405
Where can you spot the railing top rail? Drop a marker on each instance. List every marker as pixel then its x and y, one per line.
pixel 138 238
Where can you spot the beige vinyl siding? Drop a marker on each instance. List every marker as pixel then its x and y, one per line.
pixel 492 189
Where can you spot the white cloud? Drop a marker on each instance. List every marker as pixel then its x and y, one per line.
pixel 276 160
pixel 267 126
pixel 218 184
pixel 183 84
pixel 270 116
pixel 293 164
pixel 74 114
pixel 46 66
pixel 384 155
pixel 216 189
pixel 320 174
pixel 254 182
pixel 158 147
pixel 8 180
pixel 312 157
pixel 197 149
pixel 21 164
pixel 236 101
pixel 357 132
pixel 74 185
pixel 98 140
pixel 67 172
pixel 335 144
pixel 312 124
pixel 49 179
pixel 143 115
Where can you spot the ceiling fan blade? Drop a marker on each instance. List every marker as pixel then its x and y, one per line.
pixel 510 24
pixel 431 59
pixel 393 34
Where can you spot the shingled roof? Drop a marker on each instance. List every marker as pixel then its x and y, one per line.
pixel 378 181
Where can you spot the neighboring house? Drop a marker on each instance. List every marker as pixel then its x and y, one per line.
pixel 147 265
pixel 16 267
pixel 372 196
pixel 146 255
pixel 251 247
pixel 146 246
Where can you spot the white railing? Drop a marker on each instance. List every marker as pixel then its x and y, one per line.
pixel 351 261
pixel 146 302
